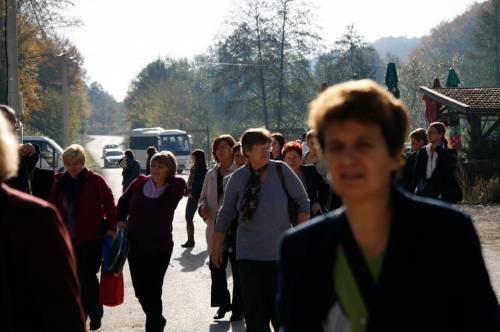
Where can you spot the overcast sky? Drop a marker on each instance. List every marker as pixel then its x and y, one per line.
pixel 119 37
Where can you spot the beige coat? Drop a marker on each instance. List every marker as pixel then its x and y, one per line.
pixel 210 200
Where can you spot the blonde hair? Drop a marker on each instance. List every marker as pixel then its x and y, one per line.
pixel 9 154
pixel 74 151
pixel 166 158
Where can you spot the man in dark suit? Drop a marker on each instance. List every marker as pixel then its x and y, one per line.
pixel 385 261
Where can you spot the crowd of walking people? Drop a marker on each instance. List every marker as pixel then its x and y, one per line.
pixel 340 231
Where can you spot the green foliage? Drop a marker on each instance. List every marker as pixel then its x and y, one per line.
pixel 485 55
pixel 350 57
pixel 41 69
pixel 108 116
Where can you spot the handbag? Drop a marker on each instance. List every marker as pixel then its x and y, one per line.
pixel 111 289
pixel 119 252
pixel 293 207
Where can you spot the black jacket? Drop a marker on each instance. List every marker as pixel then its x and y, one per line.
pixel 317 188
pixel 198 177
pixel 130 172
pixel 433 277
pixel 31 179
pixel 442 184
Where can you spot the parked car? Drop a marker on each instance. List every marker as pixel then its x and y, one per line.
pixel 111 157
pixel 50 152
pixel 108 147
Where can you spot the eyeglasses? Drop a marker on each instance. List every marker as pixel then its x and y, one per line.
pixel 262 148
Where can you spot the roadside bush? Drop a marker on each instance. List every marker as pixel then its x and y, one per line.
pixel 482 192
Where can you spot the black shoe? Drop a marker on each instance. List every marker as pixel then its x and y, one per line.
pixel 95 324
pixel 236 316
pixel 188 244
pixel 221 312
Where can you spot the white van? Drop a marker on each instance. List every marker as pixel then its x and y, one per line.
pixel 178 142
pixel 50 152
pixel 142 138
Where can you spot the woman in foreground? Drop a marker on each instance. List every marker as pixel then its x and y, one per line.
pixel 386 261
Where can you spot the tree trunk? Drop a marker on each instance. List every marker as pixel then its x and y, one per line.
pixel 261 73
pixel 281 87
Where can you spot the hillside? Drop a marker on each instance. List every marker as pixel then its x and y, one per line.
pixel 398 46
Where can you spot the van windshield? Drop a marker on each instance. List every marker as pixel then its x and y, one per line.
pixel 143 142
pixel 175 143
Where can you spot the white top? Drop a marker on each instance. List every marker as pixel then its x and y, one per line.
pixel 431 161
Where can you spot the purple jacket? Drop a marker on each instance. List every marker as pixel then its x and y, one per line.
pixel 150 219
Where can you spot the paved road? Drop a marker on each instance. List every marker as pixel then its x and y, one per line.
pixel 186 289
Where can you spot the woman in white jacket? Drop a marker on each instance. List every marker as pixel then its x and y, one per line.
pixel 209 203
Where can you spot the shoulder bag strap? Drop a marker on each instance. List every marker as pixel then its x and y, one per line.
pixel 279 170
pixel 358 266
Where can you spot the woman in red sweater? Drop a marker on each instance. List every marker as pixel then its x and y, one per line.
pixel 148 207
pixel 88 209
pixel 39 286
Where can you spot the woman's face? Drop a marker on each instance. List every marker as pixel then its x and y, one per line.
pixel 223 152
pixel 259 154
pixel 73 166
pixel 276 147
pixel 433 135
pixel 293 160
pixel 360 165
pixel 416 144
pixel 239 159
pixel 159 172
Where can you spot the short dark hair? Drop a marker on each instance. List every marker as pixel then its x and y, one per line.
pixel 420 134
pixel 280 138
pixel 199 158
pixel 151 151
pixel 363 101
pixel 291 146
pixel 222 138
pixel 129 154
pixel 254 136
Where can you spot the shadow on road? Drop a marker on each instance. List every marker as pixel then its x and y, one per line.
pixel 191 262
pixel 223 326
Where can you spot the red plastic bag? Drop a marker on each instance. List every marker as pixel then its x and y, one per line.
pixel 111 289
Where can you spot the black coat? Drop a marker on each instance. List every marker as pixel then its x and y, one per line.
pixel 198 176
pixel 130 172
pixel 442 184
pixel 317 188
pixel 433 277
pixel 40 180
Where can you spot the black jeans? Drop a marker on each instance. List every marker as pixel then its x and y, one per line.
pixel 258 284
pixel 191 208
pixel 88 260
pixel 147 278
pixel 220 296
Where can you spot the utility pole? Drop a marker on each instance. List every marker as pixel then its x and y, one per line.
pixel 12 62
pixel 65 100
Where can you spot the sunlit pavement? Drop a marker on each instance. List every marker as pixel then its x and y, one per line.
pixel 186 288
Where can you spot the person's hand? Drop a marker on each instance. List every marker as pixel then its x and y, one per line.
pixel 27 150
pixel 216 256
pixel 203 211
pixel 316 208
